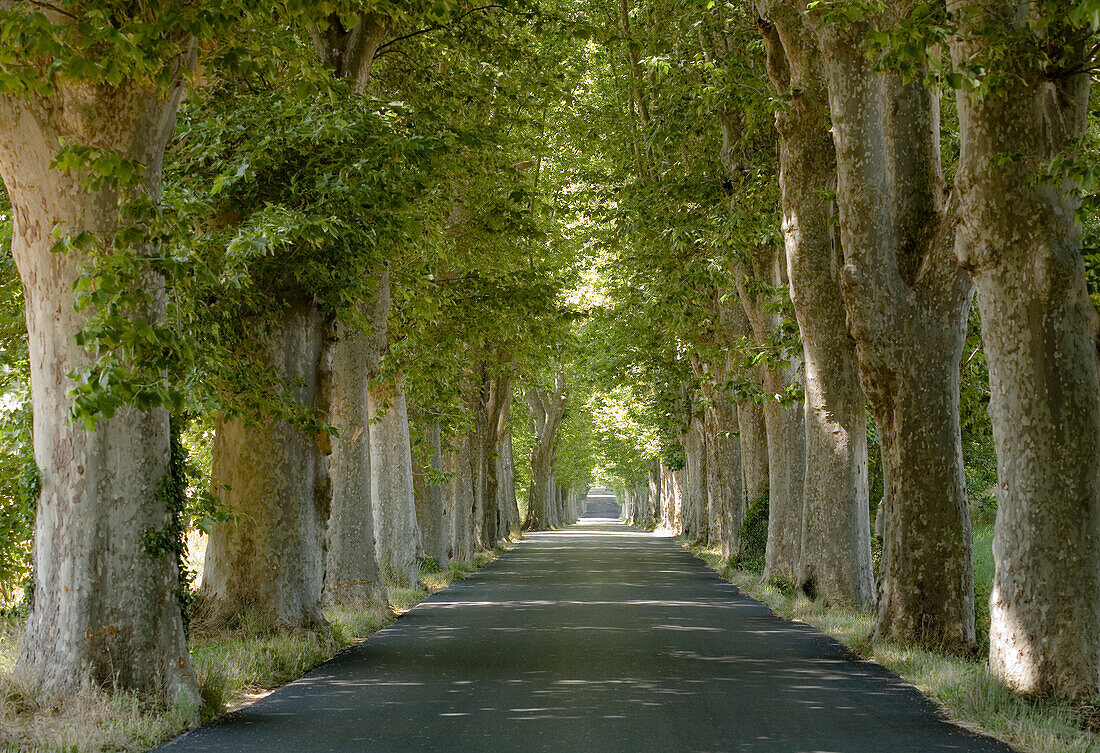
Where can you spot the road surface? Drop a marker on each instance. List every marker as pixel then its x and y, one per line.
pixel 595 638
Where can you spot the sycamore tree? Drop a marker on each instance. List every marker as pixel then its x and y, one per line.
pixel 89 99
pixel 122 285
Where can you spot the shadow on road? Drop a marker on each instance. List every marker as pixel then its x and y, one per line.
pixel 594 638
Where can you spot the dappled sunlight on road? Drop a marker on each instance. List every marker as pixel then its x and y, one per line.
pixel 593 638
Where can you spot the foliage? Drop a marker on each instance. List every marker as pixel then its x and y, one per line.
pixel 753 535
pixel 18 473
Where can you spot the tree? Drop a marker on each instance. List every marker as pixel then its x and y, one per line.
pixel 907 303
pixel 547 408
pixel 105 610
pixel 835 556
pixel 1020 123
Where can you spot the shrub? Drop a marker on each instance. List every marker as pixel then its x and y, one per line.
pixel 753 536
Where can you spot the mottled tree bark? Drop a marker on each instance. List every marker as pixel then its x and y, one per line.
pixel 430 514
pixel 460 492
pixel 351 562
pixel 506 485
pixel 723 467
pixel 835 561
pixel 907 304
pixel 695 496
pixel 1022 246
pixel 655 492
pixel 753 432
pixel 547 411
pixel 395 528
pixel 678 500
pixel 351 558
pixel 104 610
pixel 350 52
pixel 785 425
pixel 268 560
pixel 670 499
pixel 640 511
pixel 496 406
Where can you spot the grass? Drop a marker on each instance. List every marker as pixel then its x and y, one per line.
pixel 964 689
pixel 233 668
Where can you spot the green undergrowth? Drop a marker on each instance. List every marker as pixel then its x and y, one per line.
pixel 965 689
pixel 233 668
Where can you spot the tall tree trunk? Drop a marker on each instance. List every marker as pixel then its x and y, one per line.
pixel 461 492
pixel 669 499
pixel 785 425
pixel 656 492
pixel 351 561
pixel 269 558
pixel 547 411
pixel 835 560
pixel 678 487
pixel 1022 246
pixel 907 304
pixel 510 524
pixel 430 515
pixel 493 409
pixel 104 609
pixel 640 507
pixel 753 432
pixel 723 473
pixel 395 527
pixel 506 486
pixel 695 506
pixel 481 442
pixel 751 424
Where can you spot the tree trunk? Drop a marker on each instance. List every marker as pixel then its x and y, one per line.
pixel 640 508
pixel 1022 246
pixel 269 559
pixel 724 475
pixel 785 425
pixel 493 409
pixel 907 304
pixel 656 497
pixel 669 500
pixel 547 412
pixel 506 486
pixel 351 561
pixel 753 432
pixel 104 610
pixel 395 529
pixel 461 493
pixel 482 441
pixel 430 515
pixel 696 498
pixel 835 559
pixel 678 500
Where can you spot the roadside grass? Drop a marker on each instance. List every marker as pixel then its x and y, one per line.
pixel 965 689
pixel 233 667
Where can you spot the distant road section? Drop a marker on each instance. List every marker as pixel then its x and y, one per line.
pixel 600 503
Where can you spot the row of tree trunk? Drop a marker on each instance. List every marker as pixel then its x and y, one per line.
pixel 881 300
pixel 907 258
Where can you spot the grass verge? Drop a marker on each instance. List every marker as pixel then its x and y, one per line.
pixel 233 668
pixel 965 690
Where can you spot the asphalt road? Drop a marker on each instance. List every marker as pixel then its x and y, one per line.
pixel 595 638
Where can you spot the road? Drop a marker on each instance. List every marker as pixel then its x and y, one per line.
pixel 595 638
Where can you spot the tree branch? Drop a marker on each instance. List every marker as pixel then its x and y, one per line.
pixel 435 27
